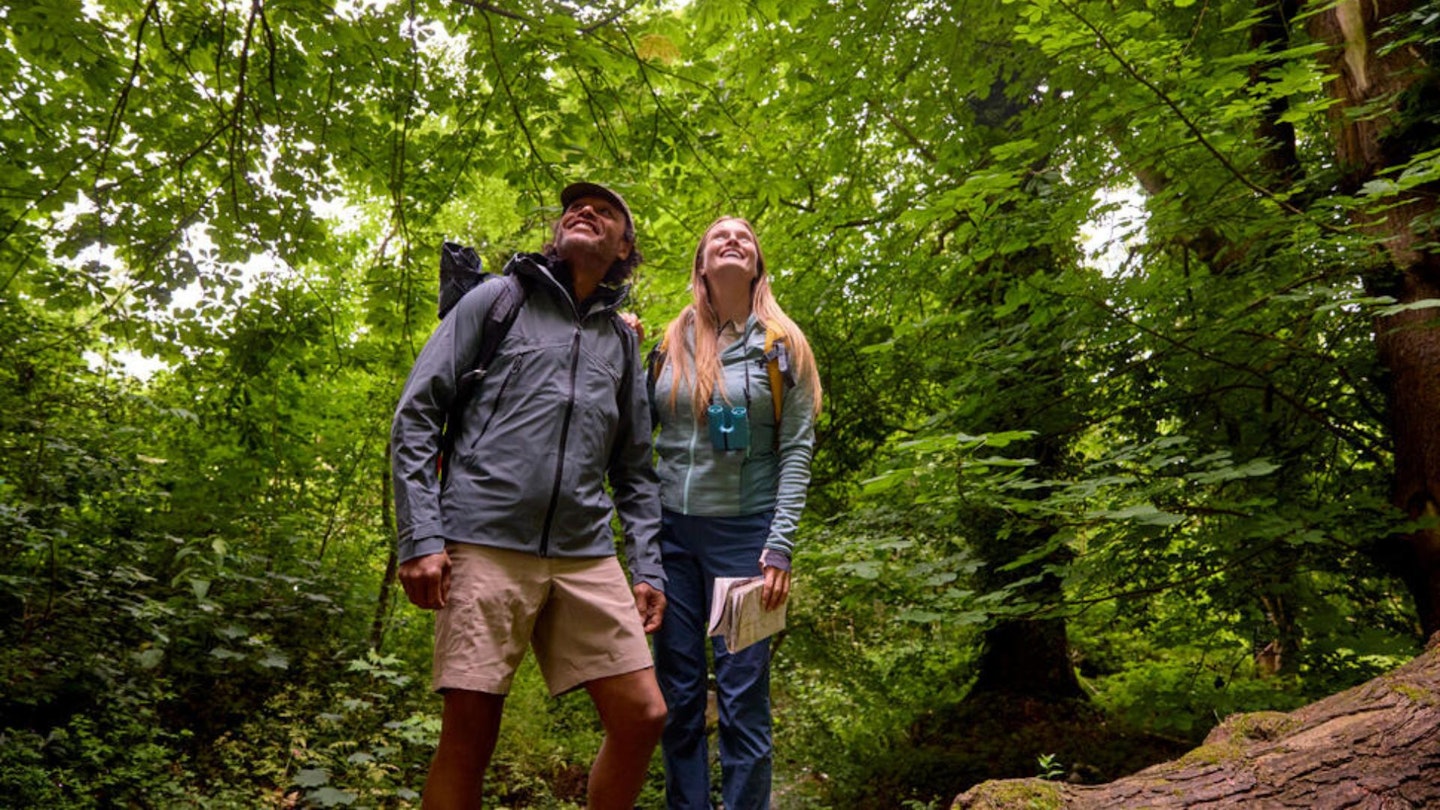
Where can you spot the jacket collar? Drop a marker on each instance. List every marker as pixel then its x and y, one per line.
pixel 536 267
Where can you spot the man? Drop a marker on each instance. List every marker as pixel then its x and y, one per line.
pixel 513 546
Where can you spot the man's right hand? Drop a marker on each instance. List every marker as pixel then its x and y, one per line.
pixel 427 580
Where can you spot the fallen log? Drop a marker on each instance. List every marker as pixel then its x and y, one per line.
pixel 1373 747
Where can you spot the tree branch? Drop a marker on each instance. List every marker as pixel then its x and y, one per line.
pixel 1360 443
pixel 489 8
pixel 1184 119
pixel 510 94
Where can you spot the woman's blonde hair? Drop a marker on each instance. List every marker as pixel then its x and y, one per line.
pixel 699 320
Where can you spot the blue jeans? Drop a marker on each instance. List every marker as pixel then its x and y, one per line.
pixel 697 550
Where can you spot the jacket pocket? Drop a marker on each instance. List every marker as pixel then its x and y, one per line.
pixel 597 407
pixel 511 375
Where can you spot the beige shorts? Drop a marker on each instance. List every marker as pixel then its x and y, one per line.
pixel 578 614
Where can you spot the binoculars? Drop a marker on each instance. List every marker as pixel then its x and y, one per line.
pixel 729 427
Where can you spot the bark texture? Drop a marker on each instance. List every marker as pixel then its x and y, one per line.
pixel 1381 90
pixel 1373 747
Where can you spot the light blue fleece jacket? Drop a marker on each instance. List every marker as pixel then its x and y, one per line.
pixel 696 479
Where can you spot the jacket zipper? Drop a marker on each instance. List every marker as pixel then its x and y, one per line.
pixel 564 438
pixel 689 467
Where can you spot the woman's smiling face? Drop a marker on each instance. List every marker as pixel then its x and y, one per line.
pixel 730 247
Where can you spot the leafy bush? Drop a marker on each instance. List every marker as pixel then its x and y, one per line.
pixel 119 756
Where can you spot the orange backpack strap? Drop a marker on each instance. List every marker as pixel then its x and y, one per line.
pixel 655 360
pixel 777 366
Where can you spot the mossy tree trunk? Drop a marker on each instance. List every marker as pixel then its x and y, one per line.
pixel 1374 746
pixel 1384 117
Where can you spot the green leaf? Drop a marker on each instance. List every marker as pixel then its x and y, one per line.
pixel 150 658
pixel 1409 306
pixel 274 659
pixel 332 797
pixel 312 777
pixel 864 569
pixel 1145 514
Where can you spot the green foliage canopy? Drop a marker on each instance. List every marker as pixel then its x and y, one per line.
pixel 1180 427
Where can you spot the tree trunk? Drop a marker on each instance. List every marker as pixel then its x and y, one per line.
pixel 1374 746
pixel 1029 657
pixel 1025 657
pixel 1271 34
pixel 392 564
pixel 1385 83
pixel 1409 347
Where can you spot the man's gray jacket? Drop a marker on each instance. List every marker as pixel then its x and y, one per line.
pixel 560 409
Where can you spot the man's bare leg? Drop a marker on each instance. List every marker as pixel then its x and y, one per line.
pixel 632 710
pixel 469 727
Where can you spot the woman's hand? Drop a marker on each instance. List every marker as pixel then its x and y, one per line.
pixel 777 587
pixel 632 320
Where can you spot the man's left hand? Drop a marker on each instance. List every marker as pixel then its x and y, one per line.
pixel 651 604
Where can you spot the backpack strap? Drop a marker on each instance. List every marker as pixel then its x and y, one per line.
pixel 777 367
pixel 496 325
pixel 654 361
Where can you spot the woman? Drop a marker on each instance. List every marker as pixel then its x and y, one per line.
pixel 732 485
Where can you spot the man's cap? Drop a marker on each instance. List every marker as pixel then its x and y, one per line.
pixel 575 191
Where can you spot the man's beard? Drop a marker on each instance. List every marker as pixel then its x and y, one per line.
pixel 570 248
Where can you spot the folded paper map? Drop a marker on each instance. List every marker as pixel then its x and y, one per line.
pixel 737 615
